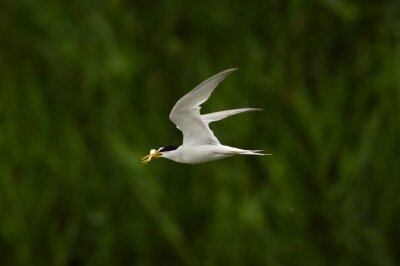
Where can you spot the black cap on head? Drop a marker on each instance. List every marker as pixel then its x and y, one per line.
pixel 168 148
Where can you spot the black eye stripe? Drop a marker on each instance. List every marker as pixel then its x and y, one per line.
pixel 168 148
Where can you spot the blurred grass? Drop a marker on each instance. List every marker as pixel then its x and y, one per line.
pixel 85 92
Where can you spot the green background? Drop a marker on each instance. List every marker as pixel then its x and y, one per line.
pixel 85 91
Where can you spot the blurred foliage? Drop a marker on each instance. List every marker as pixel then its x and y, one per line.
pixel 85 91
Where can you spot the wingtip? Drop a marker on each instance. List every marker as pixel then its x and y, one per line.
pixel 255 109
pixel 231 69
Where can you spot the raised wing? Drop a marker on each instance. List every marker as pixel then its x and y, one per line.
pixel 186 112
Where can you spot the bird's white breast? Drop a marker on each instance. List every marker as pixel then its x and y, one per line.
pixel 199 154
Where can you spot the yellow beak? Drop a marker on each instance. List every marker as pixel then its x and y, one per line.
pixel 149 157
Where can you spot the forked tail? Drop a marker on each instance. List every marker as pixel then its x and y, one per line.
pixel 254 152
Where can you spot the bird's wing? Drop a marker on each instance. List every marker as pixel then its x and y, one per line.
pixel 212 117
pixel 186 112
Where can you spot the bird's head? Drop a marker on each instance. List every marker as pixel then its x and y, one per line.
pixel 161 152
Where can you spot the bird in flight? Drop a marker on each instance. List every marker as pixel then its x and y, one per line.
pixel 199 143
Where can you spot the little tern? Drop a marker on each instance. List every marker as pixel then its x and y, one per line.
pixel 199 143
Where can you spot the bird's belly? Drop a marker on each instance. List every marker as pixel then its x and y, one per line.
pixel 205 153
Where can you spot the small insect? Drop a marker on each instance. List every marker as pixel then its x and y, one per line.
pixel 153 153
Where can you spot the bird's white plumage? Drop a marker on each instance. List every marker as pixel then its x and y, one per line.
pixel 186 112
pixel 199 142
pixel 212 117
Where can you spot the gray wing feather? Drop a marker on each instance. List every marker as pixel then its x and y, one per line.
pixel 186 112
pixel 212 117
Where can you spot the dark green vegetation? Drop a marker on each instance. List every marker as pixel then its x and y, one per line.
pixel 85 91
